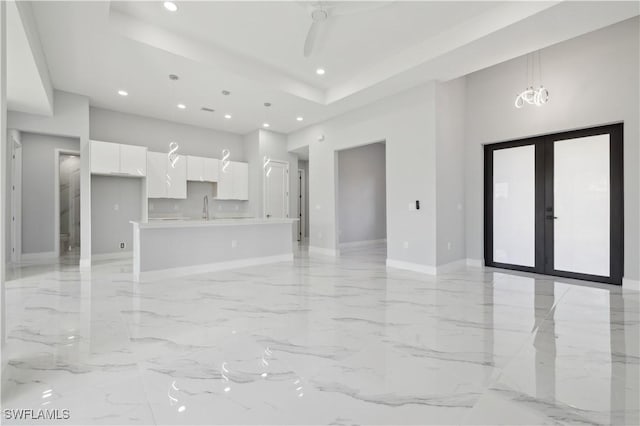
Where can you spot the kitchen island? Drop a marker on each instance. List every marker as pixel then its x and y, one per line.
pixel 166 248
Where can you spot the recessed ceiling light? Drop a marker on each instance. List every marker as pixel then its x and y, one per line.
pixel 170 6
pixel 123 93
pixel 299 118
pixel 182 106
pixel 320 71
pixel 265 124
pixel 227 116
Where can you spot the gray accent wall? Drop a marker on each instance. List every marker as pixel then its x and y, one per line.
pixel 592 80
pixel 115 201
pixel 362 210
pixel 119 127
pixel 38 206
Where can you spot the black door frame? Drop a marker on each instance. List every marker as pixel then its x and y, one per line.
pixel 544 223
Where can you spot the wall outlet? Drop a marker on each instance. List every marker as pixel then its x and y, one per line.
pixel 122 245
pixel 237 207
pixel 449 245
pixel 234 243
pixel 219 207
pixel 405 244
pixel 175 207
pixel 116 207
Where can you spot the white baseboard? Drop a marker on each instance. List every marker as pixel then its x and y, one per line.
pixel 629 284
pixel 209 267
pixel 118 255
pixel 477 263
pixel 362 243
pixel 34 257
pixel 451 266
pixel 323 251
pixel 85 263
pixel 415 267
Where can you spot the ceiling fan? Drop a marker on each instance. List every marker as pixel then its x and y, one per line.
pixel 320 12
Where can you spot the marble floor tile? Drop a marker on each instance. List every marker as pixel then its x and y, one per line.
pixel 319 341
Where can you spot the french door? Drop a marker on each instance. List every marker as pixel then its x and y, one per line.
pixel 554 204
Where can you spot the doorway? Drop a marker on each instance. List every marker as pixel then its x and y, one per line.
pixel 554 204
pixel 362 199
pixel 68 196
pixel 302 204
pixel 276 190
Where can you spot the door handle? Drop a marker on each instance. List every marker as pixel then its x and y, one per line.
pixel 551 217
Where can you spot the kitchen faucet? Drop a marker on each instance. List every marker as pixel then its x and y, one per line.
pixel 205 208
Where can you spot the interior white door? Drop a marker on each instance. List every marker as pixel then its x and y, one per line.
pixel 514 237
pixel 581 192
pixel 276 190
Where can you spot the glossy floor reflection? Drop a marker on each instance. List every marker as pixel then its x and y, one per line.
pixel 321 341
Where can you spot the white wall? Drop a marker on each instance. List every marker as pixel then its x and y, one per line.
pixel 113 126
pixel 593 80
pixel 406 122
pixel 38 179
pixel 450 217
pixel 70 119
pixel 362 194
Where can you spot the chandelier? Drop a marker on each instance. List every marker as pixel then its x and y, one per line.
pixel 530 95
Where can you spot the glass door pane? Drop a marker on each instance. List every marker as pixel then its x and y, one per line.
pixel 581 197
pixel 514 206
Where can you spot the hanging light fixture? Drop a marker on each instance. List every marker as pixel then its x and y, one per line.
pixel 530 95
pixel 173 155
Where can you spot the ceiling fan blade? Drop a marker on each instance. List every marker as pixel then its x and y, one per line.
pixel 349 8
pixel 310 41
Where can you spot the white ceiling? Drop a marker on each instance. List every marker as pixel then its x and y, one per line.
pixel 28 86
pixel 254 50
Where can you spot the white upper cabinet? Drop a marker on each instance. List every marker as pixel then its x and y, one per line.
pixel 233 184
pixel 177 178
pixel 105 157
pixel 202 169
pixel 163 180
pixel 117 159
pixel 240 181
pixel 133 160
pixel 210 171
pixel 157 175
pixel 195 168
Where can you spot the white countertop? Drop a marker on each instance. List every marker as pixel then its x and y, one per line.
pixel 188 223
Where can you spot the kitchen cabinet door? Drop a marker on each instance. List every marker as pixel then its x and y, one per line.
pixel 157 175
pixel 240 181
pixel 105 157
pixel 225 182
pixel 195 167
pixel 177 178
pixel 133 160
pixel 210 169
